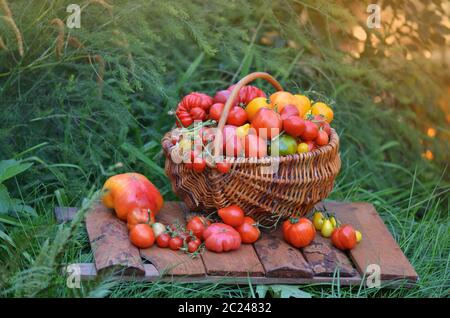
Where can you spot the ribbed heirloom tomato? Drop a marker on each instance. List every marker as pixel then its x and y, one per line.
pixel 221 237
pixel 128 191
pixel 299 232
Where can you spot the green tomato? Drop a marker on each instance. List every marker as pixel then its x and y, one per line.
pixel 287 145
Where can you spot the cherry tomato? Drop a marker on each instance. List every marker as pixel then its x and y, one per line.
pixel 294 126
pixel 158 228
pixel 322 138
pixel 175 243
pixel 163 240
pixel 199 164
pixel 138 216
pixel 216 111
pixel 248 230
pixel 358 236
pixel 197 225
pixel 223 167
pixel 237 116
pixel 302 147
pixel 311 145
pixel 318 219
pixel 310 132
pixel 141 235
pixel 192 246
pixel 232 215
pixel 327 228
pixel 255 146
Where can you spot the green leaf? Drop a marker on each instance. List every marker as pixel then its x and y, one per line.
pixel 8 220
pixel 7 238
pixel 286 291
pixel 5 199
pixel 11 168
pixel 141 156
pixel 191 70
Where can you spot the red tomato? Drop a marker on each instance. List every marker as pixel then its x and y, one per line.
pixel 255 146
pixel 288 111
pixel 175 243
pixel 198 113
pixel 221 237
pixel 322 124
pixel 311 131
pixel 199 164
pixel 193 107
pixel 294 125
pixel 223 167
pixel 247 94
pixel 344 237
pixel 237 116
pixel 127 191
pixel 248 230
pixel 163 240
pixel 311 145
pixel 222 96
pixel 197 225
pixel 322 138
pixel 231 215
pixel 192 246
pixel 141 235
pixel 216 111
pixel 267 123
pixel 232 145
pixel 140 216
pixel 298 232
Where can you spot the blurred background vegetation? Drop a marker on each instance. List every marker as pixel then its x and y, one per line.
pixel 78 105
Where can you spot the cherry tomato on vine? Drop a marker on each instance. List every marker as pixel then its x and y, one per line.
pixel 163 240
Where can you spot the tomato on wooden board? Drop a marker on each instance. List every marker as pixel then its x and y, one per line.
pixel 237 116
pixel 220 237
pixel 267 123
pixel 344 237
pixel 163 240
pixel 175 243
pixel 197 225
pixel 231 215
pixel 140 216
pixel 299 232
pixel 141 235
pixel 158 229
pixel 294 126
pixel 255 146
pixel 128 191
pixel 192 246
pixel 248 230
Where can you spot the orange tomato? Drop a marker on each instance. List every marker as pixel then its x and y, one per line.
pixel 142 236
pixel 344 237
pixel 324 110
pixel 298 232
pixel 128 191
pixel 280 99
pixel 255 105
pixel 249 230
pixel 302 103
pixel 140 216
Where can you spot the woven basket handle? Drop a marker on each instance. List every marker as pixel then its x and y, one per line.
pixel 234 94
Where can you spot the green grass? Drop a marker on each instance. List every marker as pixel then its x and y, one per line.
pixel 53 116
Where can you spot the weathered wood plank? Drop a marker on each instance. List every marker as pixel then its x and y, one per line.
pixel 280 259
pixel 241 262
pixel 109 240
pixel 325 259
pixel 170 262
pixel 378 246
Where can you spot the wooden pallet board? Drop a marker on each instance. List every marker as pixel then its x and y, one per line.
pixel 269 261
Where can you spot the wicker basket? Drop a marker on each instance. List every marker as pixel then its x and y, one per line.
pixel 300 182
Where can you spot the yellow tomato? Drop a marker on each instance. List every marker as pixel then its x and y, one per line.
pixel 323 109
pixel 242 131
pixel 255 105
pixel 302 103
pixel 280 99
pixel 327 228
pixel 333 221
pixel 302 147
pixel 318 220
pixel 358 236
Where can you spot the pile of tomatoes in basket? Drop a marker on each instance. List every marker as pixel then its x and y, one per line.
pixel 256 126
pixel 227 235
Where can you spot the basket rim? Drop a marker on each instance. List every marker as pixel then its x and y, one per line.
pixel 331 146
